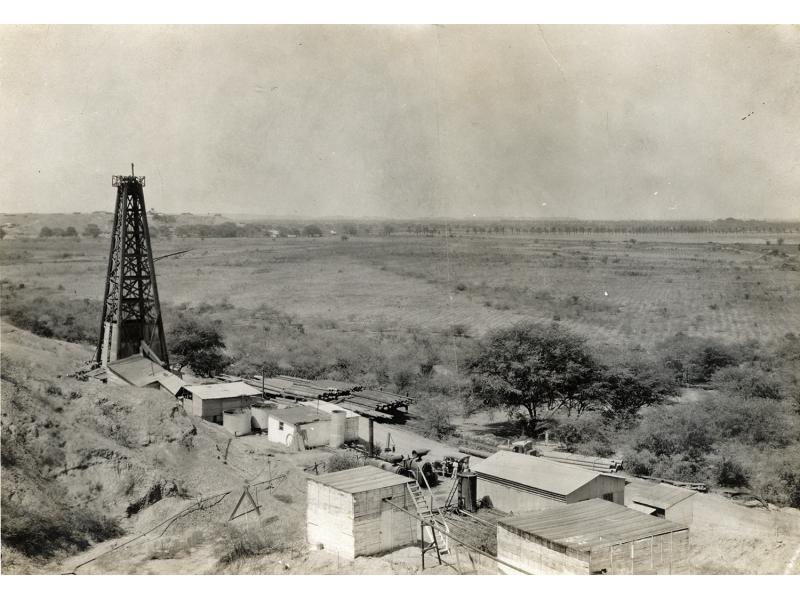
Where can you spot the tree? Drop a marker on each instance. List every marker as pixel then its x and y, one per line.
pixel 528 369
pixel 70 232
pixel 2 233
pixel 91 230
pixel 748 381
pixel 627 388
pixel 46 232
pixel 200 345
pixel 312 231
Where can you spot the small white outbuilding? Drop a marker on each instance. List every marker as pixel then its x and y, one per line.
pixel 299 427
pixel 347 513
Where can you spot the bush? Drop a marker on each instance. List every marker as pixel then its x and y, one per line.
pixel 36 533
pixel 748 382
pixel 671 430
pixel 778 479
pixel 695 360
pixel 342 462
pixel 730 472
pixel 755 422
pixel 436 417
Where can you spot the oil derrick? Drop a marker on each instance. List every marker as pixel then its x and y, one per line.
pixel 131 320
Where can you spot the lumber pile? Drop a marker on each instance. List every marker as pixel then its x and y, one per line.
pixel 370 403
pixel 373 403
pixel 595 463
pixel 697 487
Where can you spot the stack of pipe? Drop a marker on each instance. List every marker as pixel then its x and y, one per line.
pixel 595 463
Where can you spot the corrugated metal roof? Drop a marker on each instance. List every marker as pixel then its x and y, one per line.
pixel 658 495
pixel 535 472
pixel 648 510
pixel 297 415
pixel 215 391
pixel 170 382
pixel 361 479
pixel 588 525
pixel 137 370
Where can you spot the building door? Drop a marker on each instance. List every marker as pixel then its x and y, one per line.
pixel 387 525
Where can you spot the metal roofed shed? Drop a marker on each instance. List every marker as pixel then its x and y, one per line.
pixel 347 514
pixel 210 400
pixel 300 427
pixel 661 500
pixel 592 537
pixel 170 382
pixel 518 482
pixel 140 371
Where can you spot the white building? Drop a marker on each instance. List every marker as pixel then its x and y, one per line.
pixel 291 426
pixel 347 513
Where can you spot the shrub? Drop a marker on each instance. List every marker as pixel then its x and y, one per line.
pixel 670 430
pixel 748 382
pixel 37 533
pixel 695 360
pixel 755 422
pixel 730 472
pixel 342 462
pixel 639 462
pixel 436 417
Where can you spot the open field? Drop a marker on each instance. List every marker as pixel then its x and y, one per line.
pixel 611 291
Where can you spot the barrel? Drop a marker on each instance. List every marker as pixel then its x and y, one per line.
pixel 468 491
pixel 237 421
pixel 338 422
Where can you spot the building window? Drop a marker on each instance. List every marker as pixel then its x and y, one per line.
pixel 280 425
pixel 609 497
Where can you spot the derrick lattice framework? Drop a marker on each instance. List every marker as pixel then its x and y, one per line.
pixel 131 320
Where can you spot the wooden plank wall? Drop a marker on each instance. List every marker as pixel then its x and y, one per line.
pixel 536 558
pixel 329 519
pixel 377 526
pixel 658 555
pixel 598 487
pixel 508 499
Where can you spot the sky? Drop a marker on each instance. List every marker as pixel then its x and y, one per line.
pixel 590 122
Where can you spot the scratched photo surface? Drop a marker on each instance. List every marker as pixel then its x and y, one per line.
pixel 400 299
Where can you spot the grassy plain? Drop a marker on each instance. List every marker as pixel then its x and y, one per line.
pixel 612 291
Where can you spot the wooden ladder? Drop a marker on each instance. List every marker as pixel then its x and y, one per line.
pixel 426 514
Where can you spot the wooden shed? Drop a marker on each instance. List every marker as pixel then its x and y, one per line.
pixel 290 426
pixel 347 514
pixel 139 371
pixel 592 537
pixel 661 500
pixel 210 400
pixel 519 482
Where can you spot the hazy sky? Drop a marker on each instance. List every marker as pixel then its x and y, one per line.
pixel 412 121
